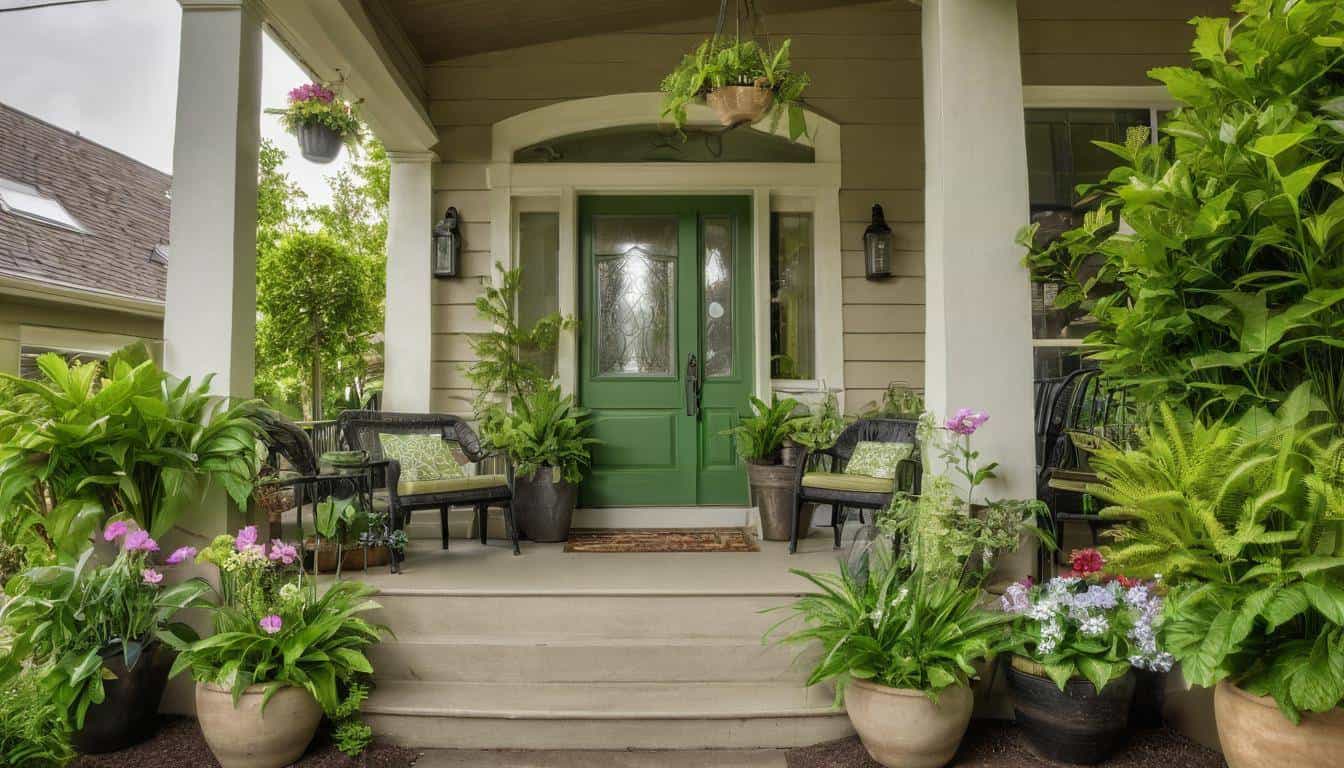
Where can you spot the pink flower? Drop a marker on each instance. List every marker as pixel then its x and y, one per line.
pixel 271 624
pixel 966 421
pixel 1086 561
pixel 246 538
pixel 282 552
pixel 181 555
pixel 139 541
pixel 311 92
pixel 115 530
pixel 151 576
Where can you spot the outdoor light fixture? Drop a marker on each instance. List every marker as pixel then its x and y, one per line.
pixel 877 243
pixel 447 245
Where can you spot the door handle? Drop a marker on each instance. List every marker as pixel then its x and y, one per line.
pixel 692 386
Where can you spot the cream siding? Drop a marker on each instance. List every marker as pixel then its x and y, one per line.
pixel 17 312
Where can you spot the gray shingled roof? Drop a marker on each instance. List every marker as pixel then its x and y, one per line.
pixel 123 205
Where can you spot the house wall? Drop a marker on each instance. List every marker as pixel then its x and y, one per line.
pixel 865 62
pixel 16 312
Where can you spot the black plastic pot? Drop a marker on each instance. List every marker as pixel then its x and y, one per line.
pixel 1150 695
pixel 1076 725
pixel 318 143
pixel 129 711
pixel 544 508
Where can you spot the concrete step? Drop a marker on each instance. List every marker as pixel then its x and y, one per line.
pixel 604 715
pixel 515 659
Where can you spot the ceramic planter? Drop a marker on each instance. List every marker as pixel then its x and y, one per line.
pixel 772 495
pixel 1255 734
pixel 903 728
pixel 318 143
pixel 129 711
pixel 543 506
pixel 245 737
pixel 1149 698
pixel 740 104
pixel 1075 725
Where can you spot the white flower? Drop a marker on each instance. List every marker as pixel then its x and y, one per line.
pixel 1046 646
pixel 1094 626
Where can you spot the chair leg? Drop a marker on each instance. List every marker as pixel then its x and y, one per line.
pixel 443 522
pixel 512 526
pixel 793 524
pixel 482 519
pixel 837 522
pixel 395 557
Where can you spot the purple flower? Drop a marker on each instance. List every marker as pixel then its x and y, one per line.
pixel 139 541
pixel 181 555
pixel 311 92
pixel 246 538
pixel 151 576
pixel 966 421
pixel 282 552
pixel 115 530
pixel 271 624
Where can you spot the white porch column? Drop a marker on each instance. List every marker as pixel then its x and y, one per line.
pixel 978 333
pixel 408 336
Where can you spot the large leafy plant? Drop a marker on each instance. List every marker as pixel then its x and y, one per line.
pixel 719 62
pixel 821 427
pixel 78 448
pixel 544 429
pixel 1224 288
pixel 1246 522
pixel 760 437
pixel 33 732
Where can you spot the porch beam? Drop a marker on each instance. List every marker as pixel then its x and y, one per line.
pixel 409 318
pixel 978 309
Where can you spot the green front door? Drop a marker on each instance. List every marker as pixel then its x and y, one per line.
pixel 665 303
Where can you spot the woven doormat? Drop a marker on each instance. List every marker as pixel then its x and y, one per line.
pixel 661 540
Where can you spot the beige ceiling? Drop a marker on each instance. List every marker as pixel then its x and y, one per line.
pixel 445 29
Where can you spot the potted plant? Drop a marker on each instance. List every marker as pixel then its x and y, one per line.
pixel 741 81
pixel 347 536
pixel 900 648
pixel 92 630
pixel 321 122
pixel 1076 640
pixel 759 439
pixel 543 435
pixel 281 654
pixel 1244 523
pixel 815 432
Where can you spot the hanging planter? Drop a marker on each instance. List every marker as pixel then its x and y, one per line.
pixel 321 122
pixel 743 81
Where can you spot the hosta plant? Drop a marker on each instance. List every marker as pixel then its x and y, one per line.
pixel 719 62
pixel 544 429
pixel 759 437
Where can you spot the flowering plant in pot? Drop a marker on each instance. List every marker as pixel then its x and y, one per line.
pixel 741 80
pixel 759 440
pixel 92 631
pixel 1075 640
pixel 281 654
pixel 321 122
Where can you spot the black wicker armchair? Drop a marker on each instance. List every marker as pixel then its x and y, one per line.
pixel 359 430
pixel 843 491
pixel 286 440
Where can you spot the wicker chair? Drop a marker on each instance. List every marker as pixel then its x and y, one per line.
pixel 359 430
pixel 843 491
pixel 286 440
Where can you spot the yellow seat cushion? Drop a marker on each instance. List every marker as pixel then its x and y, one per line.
pixel 837 481
pixel 450 484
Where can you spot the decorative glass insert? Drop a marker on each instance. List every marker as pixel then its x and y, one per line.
pixel 636 294
pixel 539 294
pixel 792 317
pixel 717 236
pixel 662 144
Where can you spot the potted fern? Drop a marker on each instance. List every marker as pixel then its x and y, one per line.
pixel 741 81
pixel 759 440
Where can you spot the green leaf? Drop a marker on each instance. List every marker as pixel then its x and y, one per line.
pixel 1273 145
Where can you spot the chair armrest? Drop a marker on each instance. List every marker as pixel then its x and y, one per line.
pixel 802 469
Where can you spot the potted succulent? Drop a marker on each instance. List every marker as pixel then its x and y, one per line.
pixel 321 122
pixel 740 80
pixel 92 631
pixel 543 434
pixel 759 440
pixel 281 654
pixel 901 649
pixel 1076 640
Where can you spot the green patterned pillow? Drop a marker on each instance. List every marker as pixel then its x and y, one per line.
pixel 878 459
pixel 422 457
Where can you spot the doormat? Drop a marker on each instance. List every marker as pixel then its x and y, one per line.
pixel 661 540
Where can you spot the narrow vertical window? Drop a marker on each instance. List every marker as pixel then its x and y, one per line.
pixel 539 257
pixel 792 319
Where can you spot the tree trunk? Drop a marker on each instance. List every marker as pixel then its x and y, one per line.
pixel 316 382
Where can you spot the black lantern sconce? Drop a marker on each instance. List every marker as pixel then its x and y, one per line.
pixel 877 246
pixel 447 245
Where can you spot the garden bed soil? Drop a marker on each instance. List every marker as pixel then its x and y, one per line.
pixel 1001 745
pixel 179 744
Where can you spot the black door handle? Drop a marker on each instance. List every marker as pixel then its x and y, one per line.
pixel 692 386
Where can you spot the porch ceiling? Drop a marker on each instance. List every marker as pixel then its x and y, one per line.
pixel 446 29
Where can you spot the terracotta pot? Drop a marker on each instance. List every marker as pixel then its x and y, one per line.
pixel 902 728
pixel 129 711
pixel 1076 725
pixel 1255 734
pixel 738 104
pixel 246 737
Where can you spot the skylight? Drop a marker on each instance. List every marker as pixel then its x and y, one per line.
pixel 24 200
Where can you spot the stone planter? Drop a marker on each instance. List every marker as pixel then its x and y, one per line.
pixel 740 104
pixel 1255 734
pixel 902 728
pixel 245 737
pixel 772 495
pixel 1075 725
pixel 318 143
pixel 129 711
pixel 543 507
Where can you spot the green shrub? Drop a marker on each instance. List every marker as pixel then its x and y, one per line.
pixel 33 733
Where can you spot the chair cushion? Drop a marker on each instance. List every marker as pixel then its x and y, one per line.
pixel 450 484
pixel 422 457
pixel 874 459
pixel 839 481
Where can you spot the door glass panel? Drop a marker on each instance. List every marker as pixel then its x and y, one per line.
pixel 636 294
pixel 718 296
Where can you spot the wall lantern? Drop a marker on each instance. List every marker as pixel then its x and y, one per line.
pixel 447 245
pixel 877 244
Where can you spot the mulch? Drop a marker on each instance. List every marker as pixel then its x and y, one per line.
pixel 1001 745
pixel 661 540
pixel 179 744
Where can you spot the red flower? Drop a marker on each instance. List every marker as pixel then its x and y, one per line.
pixel 1086 561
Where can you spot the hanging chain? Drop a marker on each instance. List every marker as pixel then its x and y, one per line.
pixel 743 10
